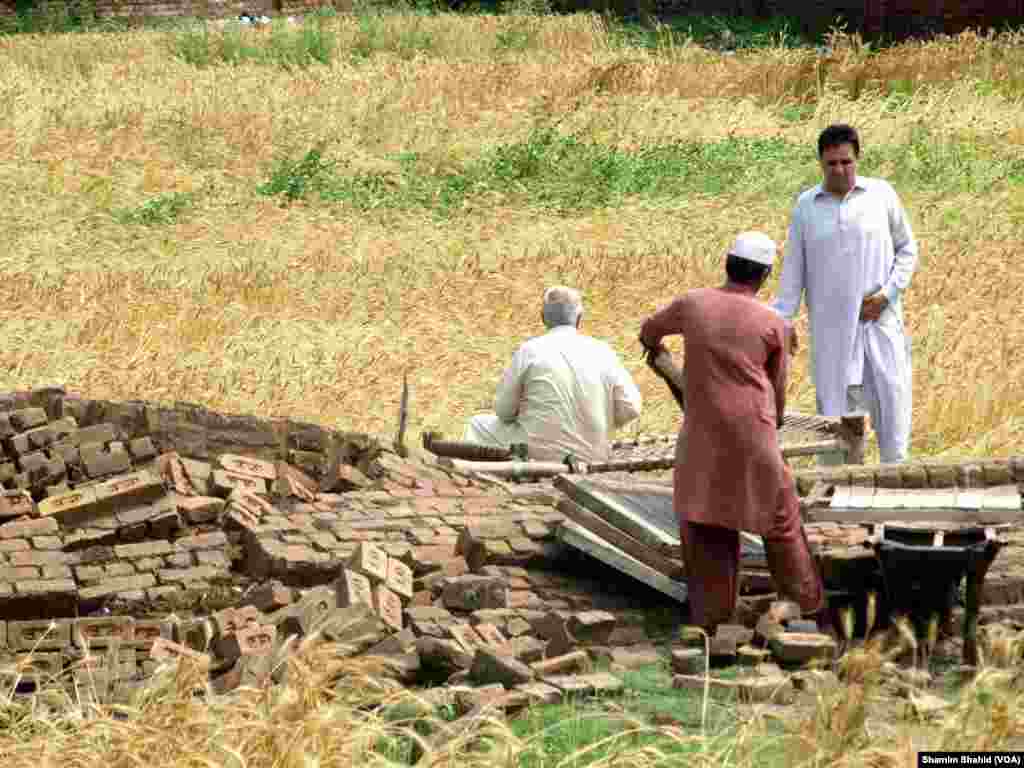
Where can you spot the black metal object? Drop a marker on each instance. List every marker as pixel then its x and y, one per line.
pixel 924 579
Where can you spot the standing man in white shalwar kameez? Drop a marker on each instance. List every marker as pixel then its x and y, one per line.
pixel 851 249
pixel 563 394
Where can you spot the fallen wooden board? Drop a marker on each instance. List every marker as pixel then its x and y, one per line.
pixel 580 538
pixel 652 521
pixel 611 511
pixel 602 529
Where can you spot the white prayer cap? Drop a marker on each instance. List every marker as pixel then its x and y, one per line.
pixel 755 247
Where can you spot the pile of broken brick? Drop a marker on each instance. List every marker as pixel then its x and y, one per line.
pixel 133 534
pixel 782 641
pixel 110 538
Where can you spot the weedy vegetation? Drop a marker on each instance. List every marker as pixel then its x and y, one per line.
pixel 342 711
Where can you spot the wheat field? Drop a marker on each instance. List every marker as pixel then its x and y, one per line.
pixel 143 256
pixel 210 217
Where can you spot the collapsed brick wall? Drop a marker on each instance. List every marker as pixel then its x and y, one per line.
pixel 925 473
pixel 135 508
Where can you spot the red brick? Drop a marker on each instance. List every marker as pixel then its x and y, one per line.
pixel 166 590
pixel 19 573
pixel 370 560
pixel 163 649
pixel 101 632
pixel 41 557
pixel 180 560
pixel 227 482
pixel 213 558
pixel 46 587
pixel 119 569
pixel 113 586
pixel 87 573
pixel 250 640
pixel 202 541
pixel 147 630
pixel 187 575
pixel 200 509
pixel 292 481
pixel 353 588
pixel 245 465
pixel 42 635
pixel 144 549
pixel 425 559
pixel 137 487
pixel 15 503
pixel 19 529
pixel 388 606
pixel 47 542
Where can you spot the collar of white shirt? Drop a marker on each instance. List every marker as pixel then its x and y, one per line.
pixel 860 183
pixel 563 329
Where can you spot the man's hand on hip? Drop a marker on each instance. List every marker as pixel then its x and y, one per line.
pixel 793 338
pixel 873 306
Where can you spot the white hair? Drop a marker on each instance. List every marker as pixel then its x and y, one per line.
pixel 562 306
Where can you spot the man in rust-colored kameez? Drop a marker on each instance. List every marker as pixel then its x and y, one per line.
pixel 729 473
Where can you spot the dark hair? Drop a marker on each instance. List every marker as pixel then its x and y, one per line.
pixel 837 134
pixel 744 271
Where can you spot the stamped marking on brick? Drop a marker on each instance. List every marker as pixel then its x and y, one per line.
pixel 353 588
pixel 388 606
pixel 370 560
pixel 245 465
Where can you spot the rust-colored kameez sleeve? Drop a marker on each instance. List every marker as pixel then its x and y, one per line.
pixel 778 368
pixel 668 320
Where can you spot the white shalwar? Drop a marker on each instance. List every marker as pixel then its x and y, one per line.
pixel 839 252
pixel 563 393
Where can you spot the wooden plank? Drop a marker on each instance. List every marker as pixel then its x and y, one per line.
pixel 531 470
pixel 811 449
pixel 935 499
pixel 884 498
pixel 652 489
pixel 636 490
pixel 913 514
pixel 600 528
pixel 968 499
pixel 1000 501
pixel 861 497
pixel 609 510
pixel 840 497
pixel 580 538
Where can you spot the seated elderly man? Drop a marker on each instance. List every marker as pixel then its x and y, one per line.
pixel 564 392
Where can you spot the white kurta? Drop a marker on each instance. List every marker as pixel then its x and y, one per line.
pixel 563 393
pixel 840 251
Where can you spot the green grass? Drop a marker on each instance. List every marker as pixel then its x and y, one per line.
pixel 603 725
pixel 286 45
pixel 162 209
pixel 740 33
pixel 564 173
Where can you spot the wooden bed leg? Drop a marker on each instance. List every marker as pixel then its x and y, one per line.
pixel 977 568
pixel 851 434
